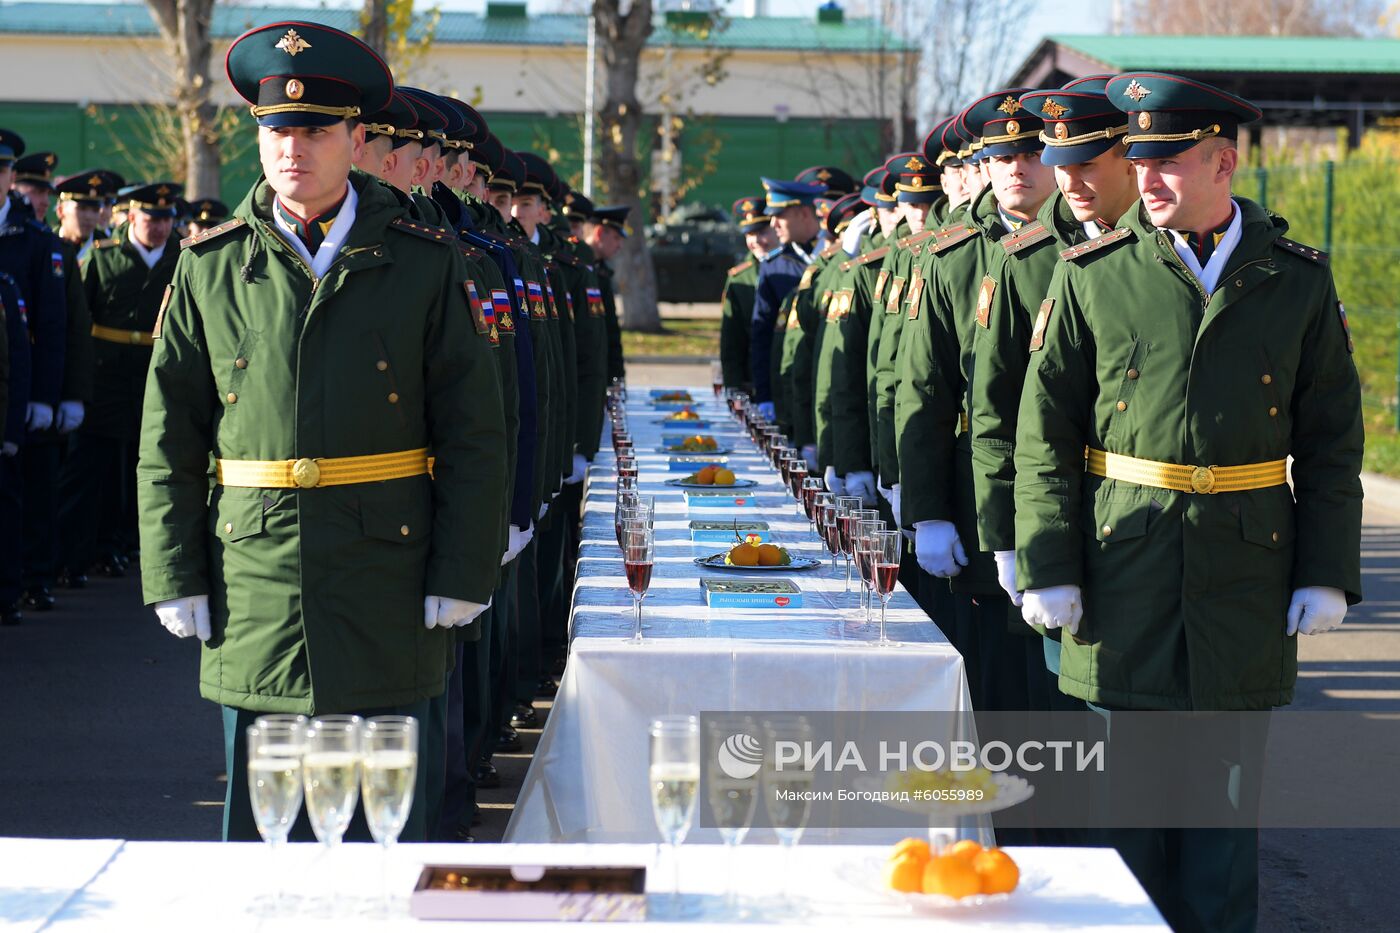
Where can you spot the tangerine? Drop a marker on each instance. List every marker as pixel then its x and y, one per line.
pixel 905 873
pixel 951 876
pixel 912 846
pixel 965 849
pixel 706 476
pixel 997 870
pixel 743 555
pixel 724 477
pixel 769 555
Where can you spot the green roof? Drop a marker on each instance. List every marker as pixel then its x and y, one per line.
pixel 778 33
pixel 1315 54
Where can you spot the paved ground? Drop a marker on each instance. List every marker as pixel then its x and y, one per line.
pixel 105 734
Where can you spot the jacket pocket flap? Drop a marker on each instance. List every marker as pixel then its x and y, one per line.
pixel 1117 518
pixel 236 518
pixel 1266 524
pixel 393 519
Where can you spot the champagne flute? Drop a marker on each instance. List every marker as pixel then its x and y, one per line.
pixel 812 487
pixel 627 467
pixel 276 745
pixel 828 525
pixel 626 499
pixel 638 548
pixel 631 513
pixel 717 377
pixel 331 779
pixel 785 463
pixel 675 781
pixel 732 786
pixel 846 507
pixel 387 780
pixel 886 553
pixel 866 529
pixel 798 473
pixel 787 792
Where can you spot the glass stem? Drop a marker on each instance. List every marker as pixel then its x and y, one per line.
pixel 848 572
pixel 675 874
pixel 637 625
pixel 884 604
pixel 731 899
pixel 384 878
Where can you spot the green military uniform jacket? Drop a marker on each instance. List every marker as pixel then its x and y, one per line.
pixel 935 362
pixel 581 299
pixel 1185 594
pixel 842 386
pixel 125 295
pixel 882 349
pixel 801 345
pixel 736 319
pixel 77 355
pixel 831 289
pixel 1001 348
pixel 316 595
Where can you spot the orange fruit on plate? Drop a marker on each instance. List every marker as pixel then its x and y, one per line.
pixel 997 870
pixel 965 849
pixel 769 555
pixel 706 476
pixel 951 876
pixel 912 846
pixel 905 873
pixel 724 477
pixel 743 555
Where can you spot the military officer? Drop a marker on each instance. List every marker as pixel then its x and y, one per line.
pixel 14 401
pixel 33 179
pixel 1083 143
pixel 937 498
pixel 30 255
pixel 609 223
pixel 736 301
pixel 205 214
pixel 326 571
pixel 1175 556
pixel 80 201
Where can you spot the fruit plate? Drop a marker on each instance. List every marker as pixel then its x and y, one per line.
pixel 699 453
pixel 716 562
pixel 1011 789
pixel 737 484
pixel 870 874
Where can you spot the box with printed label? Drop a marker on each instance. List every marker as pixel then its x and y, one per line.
pixel 722 532
pixel 751 594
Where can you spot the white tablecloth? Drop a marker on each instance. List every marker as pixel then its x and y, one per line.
pixel 587 782
pixel 39 876
pixel 195 887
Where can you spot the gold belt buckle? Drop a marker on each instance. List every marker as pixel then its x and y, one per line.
pixel 306 473
pixel 133 336
pixel 1203 480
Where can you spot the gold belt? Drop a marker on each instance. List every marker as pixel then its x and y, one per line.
pixel 134 338
pixel 963 423
pixel 308 473
pixel 1196 479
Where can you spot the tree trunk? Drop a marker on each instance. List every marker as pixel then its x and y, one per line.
pixel 621 39
pixel 374 23
pixel 185 24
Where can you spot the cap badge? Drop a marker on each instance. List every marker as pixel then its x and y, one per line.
pixel 295 89
pixel 94 181
pixel 162 191
pixel 1010 105
pixel 917 181
pixel 1144 120
pixel 1053 108
pixel 292 43
pixel 1061 131
pixel 1136 91
pixel 1012 127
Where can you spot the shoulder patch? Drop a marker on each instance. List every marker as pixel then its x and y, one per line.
pixel 865 259
pixel 951 238
pixel 169 289
pixel 1028 235
pixel 830 250
pixel 1097 243
pixel 1307 252
pixel 108 244
pixel 914 239
pixel 198 238
pixel 1346 328
pixel 426 231
pixel 744 266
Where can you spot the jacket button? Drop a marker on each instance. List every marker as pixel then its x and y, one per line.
pixel 1275 537
pixel 1107 530
pixel 393 398
pixel 403 530
pixel 228 528
pixel 1239 283
pixel 381 365
pixel 241 363
pixel 1122 406
pixel 1133 374
pixel 1266 379
pixel 232 397
pixel 1273 412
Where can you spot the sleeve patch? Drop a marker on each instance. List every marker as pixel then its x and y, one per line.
pixel 916 294
pixel 880 281
pixel 1042 320
pixel 895 289
pixel 984 301
pixel 483 314
pixel 500 302
pixel 169 290
pixel 1346 328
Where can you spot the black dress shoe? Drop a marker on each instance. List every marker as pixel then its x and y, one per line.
pixel 39 599
pixel 510 741
pixel 547 687
pixel 71 581
pixel 524 717
pixel 11 615
pixel 112 566
pixel 463 835
pixel 487 777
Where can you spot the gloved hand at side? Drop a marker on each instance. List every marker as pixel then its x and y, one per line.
pixel 186 616
pixel 862 483
pixel 834 483
pixel 1054 607
pixel 580 470
pixel 441 612
pixel 1316 609
pixel 1006 574
pixel 937 548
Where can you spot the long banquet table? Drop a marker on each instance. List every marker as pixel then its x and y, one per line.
pixel 79 885
pixel 587 782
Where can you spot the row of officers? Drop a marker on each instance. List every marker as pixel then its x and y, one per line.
pixel 1079 374
pixel 350 420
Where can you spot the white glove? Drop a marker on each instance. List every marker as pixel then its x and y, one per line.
pixel 39 416
pixel 544 507
pixel 809 454
pixel 1006 574
pixel 767 410
pixel 886 493
pixel 441 612
pixel 894 510
pixel 850 240
pixel 518 540
pixel 70 416
pixel 185 617
pixel 580 470
pixel 1316 609
pixel 938 549
pixel 833 482
pixel 862 483
pixel 8 449
pixel 1054 607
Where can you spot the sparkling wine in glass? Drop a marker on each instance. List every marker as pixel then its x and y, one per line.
pixel 886 553
pixel 828 525
pixel 388 775
pixel 627 467
pixel 717 377
pixel 638 549
pixel 275 750
pixel 846 507
pixel 674 776
pixel 866 529
pixel 798 473
pixel 812 487
pixel 330 774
